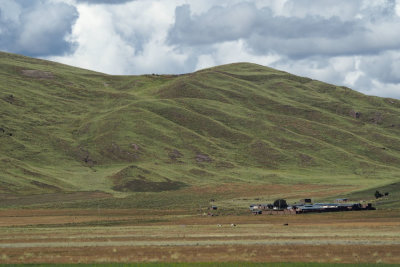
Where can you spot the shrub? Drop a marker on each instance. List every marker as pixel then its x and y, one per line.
pixel 378 194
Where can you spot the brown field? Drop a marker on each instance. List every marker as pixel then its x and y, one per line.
pixel 87 236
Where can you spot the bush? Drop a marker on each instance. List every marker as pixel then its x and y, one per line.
pixel 378 194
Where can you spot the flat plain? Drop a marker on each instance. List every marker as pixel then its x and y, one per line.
pixel 125 235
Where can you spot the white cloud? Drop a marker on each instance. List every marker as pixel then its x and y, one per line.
pixel 26 29
pixel 231 52
pixel 328 8
pixel 100 48
pixel 10 11
pixel 398 8
pixel 375 87
pixel 352 43
pixel 124 39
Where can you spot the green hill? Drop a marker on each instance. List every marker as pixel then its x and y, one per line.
pixel 227 132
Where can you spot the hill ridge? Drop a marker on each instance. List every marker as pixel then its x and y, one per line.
pixel 66 129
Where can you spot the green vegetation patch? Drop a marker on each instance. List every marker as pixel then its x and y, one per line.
pixel 65 129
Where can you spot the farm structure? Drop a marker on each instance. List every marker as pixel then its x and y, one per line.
pixel 329 207
pixel 269 209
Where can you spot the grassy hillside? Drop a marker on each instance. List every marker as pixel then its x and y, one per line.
pixel 65 129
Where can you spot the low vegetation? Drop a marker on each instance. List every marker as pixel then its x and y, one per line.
pixel 167 140
pixel 134 236
pixel 212 265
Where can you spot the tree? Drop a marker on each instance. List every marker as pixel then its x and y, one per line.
pixel 280 204
pixel 378 194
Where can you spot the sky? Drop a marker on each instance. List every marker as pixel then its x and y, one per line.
pixel 351 43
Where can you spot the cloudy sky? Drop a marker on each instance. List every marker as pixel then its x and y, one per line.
pixel 353 43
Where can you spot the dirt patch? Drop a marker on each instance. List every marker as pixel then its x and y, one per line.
pixel 38 74
pixel 355 114
pixel 203 158
pixel 175 154
pixel 377 118
pixel 4 132
pixel 387 220
pixel 9 99
pixel 306 160
pixel 136 147
pixel 116 152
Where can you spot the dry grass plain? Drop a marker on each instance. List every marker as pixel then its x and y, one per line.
pixel 94 236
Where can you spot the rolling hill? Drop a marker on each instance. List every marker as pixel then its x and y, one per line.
pixel 229 132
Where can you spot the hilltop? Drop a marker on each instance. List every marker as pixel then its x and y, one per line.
pixel 230 132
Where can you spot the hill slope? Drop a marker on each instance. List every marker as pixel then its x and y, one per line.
pixel 65 129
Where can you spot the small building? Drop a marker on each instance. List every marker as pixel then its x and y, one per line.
pixel 256 207
pixel 305 201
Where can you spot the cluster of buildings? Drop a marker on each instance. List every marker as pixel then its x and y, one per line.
pixel 306 206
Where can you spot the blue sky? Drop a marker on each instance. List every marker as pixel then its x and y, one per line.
pixel 353 43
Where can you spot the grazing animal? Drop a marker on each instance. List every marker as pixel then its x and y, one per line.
pixel 233 225
pixel 219 225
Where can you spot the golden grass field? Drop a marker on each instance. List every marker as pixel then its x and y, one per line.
pixel 89 236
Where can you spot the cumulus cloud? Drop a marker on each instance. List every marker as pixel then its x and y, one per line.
pixel 352 43
pixel 125 39
pixel 246 20
pixel 295 36
pixel 108 2
pixel 384 67
pixel 36 28
pixel 219 24
pixel 327 8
